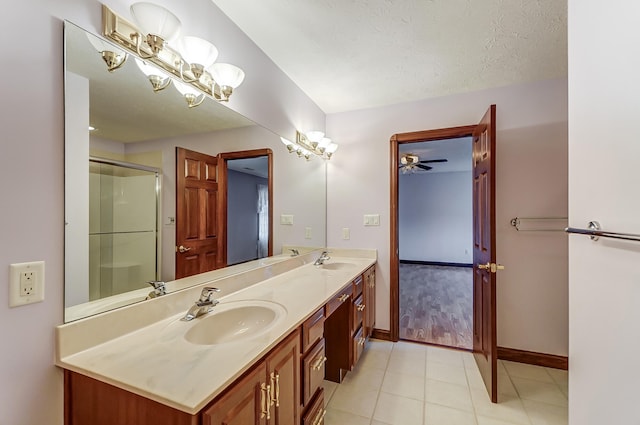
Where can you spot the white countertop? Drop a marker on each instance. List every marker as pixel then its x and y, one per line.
pixel 157 362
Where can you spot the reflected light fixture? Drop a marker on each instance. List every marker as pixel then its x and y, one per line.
pixel 305 146
pixel 112 56
pixel 192 61
pixel 158 79
pixel 192 96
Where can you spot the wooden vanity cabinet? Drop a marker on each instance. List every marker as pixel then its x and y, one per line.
pixel 316 411
pixel 268 395
pixel 369 299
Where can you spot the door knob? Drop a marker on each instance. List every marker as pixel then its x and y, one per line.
pixel 492 267
pixel 182 249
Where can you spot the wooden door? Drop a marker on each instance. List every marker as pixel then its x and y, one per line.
pixel 243 404
pixel 283 369
pixel 197 242
pixel 484 251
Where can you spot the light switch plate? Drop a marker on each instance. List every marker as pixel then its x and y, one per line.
pixel 26 283
pixel 286 219
pixel 307 232
pixel 372 219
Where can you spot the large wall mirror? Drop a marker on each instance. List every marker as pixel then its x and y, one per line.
pixel 121 214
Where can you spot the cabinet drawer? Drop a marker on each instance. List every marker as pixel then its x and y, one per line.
pixel 357 286
pixel 335 302
pixel 358 312
pixel 358 345
pixel 312 330
pixel 313 372
pixel 315 413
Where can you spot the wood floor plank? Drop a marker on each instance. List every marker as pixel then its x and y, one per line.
pixel 436 304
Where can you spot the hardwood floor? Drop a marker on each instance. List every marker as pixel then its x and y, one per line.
pixel 436 305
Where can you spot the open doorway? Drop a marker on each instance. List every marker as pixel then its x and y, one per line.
pixel 248 205
pixel 435 241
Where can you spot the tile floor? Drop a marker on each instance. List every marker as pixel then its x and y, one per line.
pixel 412 384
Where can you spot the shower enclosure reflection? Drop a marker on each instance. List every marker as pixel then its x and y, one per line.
pixel 123 227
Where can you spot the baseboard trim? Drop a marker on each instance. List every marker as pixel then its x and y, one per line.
pixel 531 357
pixel 382 334
pixel 436 263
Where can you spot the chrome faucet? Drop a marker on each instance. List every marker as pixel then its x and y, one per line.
pixel 294 252
pixel 204 305
pixel 159 289
pixel 323 257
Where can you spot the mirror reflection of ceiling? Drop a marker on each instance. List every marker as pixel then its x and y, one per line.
pixel 119 100
pixel 336 51
pixel 457 152
pixel 258 166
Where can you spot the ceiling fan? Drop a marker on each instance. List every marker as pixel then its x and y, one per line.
pixel 410 162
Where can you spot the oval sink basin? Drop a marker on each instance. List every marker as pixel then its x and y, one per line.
pixel 235 321
pixel 338 266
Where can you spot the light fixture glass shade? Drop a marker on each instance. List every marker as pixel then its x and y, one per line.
pixel 324 142
pixel 102 46
pixel 225 74
pixel 150 70
pixel 195 50
pixel 156 20
pixel 331 148
pixel 286 142
pixel 314 136
pixel 185 89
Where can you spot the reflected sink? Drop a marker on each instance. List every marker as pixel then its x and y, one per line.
pixel 337 266
pixel 235 321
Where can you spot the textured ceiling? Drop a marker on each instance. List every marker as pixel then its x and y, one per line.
pixel 354 54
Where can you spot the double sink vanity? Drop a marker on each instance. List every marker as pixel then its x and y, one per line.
pixel 259 356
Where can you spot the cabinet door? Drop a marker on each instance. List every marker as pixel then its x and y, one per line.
pixel 283 369
pixel 245 403
pixel 369 301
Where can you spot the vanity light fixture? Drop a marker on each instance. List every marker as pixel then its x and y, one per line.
pixel 311 143
pixel 191 61
pixel 158 79
pixel 190 94
pixel 112 56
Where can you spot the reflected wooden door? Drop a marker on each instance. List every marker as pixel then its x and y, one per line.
pixel 197 242
pixel 484 251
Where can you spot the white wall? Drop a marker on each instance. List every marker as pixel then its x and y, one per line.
pixel 604 278
pixel 531 118
pixel 32 171
pixel 435 217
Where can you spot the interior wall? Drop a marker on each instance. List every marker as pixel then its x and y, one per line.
pixel 604 278
pixel 32 171
pixel 530 117
pixel 435 217
pixel 294 180
pixel 242 217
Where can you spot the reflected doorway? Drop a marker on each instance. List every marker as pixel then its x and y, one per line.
pixel 248 205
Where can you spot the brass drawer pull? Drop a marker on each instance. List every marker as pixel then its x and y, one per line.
pixel 343 298
pixel 320 417
pixel 264 403
pixel 361 307
pixel 362 341
pixel 318 363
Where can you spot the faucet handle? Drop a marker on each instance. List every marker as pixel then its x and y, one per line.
pixel 294 252
pixel 159 287
pixel 207 293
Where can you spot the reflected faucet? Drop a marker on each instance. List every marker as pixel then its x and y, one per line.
pixel 204 305
pixel 159 289
pixel 294 252
pixel 323 257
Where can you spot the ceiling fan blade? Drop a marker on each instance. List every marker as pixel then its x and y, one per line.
pixel 424 167
pixel 433 160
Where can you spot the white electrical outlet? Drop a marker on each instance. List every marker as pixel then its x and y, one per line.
pixel 26 283
pixel 307 232
pixel 345 233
